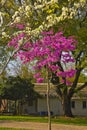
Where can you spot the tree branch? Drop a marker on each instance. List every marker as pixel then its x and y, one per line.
pixel 78 57
pixel 74 85
pixel 58 91
pixel 8 60
pixel 61 69
pixel 14 52
pixel 82 86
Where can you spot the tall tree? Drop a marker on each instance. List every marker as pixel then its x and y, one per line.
pixel 75 24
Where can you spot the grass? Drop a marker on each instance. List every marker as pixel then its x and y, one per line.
pixel 58 120
pixel 24 118
pixel 13 129
pixel 74 121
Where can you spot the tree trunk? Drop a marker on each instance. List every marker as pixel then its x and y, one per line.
pixel 48 106
pixel 15 111
pixel 48 101
pixel 66 102
pixel 0 103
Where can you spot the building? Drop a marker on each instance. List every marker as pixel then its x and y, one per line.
pixel 39 106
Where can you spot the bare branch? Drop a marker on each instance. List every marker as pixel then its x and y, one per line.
pixel 74 85
pixel 82 86
pixel 78 57
pixel 8 60
pixel 14 52
pixel 58 89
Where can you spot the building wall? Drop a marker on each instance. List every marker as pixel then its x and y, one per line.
pixel 29 108
pixel 79 110
pixel 55 106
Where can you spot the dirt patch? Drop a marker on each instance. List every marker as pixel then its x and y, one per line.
pixel 39 126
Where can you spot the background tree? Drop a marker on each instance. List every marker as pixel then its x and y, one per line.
pixel 23 70
pixel 16 89
pixel 7 9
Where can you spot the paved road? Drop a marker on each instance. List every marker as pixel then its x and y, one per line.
pixel 39 126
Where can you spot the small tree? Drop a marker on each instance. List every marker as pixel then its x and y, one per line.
pixel 48 53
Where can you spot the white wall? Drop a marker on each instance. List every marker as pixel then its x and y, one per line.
pixel 78 110
pixel 55 106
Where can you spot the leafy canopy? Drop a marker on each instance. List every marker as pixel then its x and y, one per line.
pixel 15 88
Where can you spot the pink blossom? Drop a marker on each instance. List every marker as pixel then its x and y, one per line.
pixel 17 25
pixel 48 51
pixel 15 40
pixel 68 83
pixel 20 26
pixel 53 68
pixel 70 73
pixel 40 80
pixel 62 74
pixel 47 33
pixel 67 73
pixel 37 75
pixel 27 45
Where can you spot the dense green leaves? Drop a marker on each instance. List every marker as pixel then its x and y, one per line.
pixel 15 88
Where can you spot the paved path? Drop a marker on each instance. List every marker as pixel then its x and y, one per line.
pixel 39 126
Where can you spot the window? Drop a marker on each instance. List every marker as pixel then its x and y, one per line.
pixel 84 104
pixel 73 104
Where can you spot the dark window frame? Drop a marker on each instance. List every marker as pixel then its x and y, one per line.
pixel 84 105
pixel 73 104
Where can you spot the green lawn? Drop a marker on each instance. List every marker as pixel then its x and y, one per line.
pixel 13 129
pixel 61 120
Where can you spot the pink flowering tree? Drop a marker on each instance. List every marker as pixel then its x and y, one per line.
pixel 53 53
